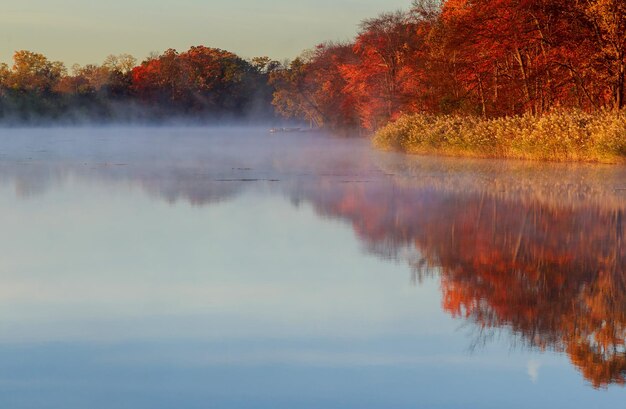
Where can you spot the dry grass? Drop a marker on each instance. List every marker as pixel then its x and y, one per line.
pixel 559 136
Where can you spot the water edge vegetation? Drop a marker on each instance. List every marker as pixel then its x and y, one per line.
pixel 557 136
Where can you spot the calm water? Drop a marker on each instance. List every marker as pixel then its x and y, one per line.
pixel 227 268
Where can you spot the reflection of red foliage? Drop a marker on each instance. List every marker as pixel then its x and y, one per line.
pixel 555 276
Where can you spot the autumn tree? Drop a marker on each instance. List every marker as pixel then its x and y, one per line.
pixel 33 72
pixel 606 20
pixel 292 98
pixel 313 88
pixel 200 79
pixel 385 78
pixel 123 63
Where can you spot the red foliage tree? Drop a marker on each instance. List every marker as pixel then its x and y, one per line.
pixel 313 87
pixel 199 79
pixel 386 78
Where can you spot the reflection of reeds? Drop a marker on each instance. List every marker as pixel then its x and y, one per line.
pixel 559 136
pixel 555 185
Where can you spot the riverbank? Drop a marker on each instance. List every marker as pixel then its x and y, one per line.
pixel 560 136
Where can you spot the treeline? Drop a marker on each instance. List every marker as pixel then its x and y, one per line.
pixel 470 57
pixel 201 82
pixel 489 58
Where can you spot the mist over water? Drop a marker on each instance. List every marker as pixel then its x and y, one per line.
pixel 227 267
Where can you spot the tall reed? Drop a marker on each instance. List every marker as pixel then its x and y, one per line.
pixel 558 136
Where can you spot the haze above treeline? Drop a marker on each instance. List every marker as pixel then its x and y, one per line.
pixel 488 57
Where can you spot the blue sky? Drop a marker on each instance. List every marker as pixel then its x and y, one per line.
pixel 86 31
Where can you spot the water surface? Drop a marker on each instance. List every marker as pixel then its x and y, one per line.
pixel 230 268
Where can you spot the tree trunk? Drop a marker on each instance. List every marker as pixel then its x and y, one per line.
pixel 619 90
pixel 522 67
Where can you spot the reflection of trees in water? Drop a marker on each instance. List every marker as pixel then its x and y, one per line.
pixel 553 275
pixel 165 183
pixel 511 252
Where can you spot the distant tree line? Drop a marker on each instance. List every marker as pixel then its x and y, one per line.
pixel 470 57
pixel 199 83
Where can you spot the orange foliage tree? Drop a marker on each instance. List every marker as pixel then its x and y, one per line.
pixel 199 79
pixel 312 87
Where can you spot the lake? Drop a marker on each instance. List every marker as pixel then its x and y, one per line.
pixel 225 267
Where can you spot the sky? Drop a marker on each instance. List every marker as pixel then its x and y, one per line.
pixel 86 31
